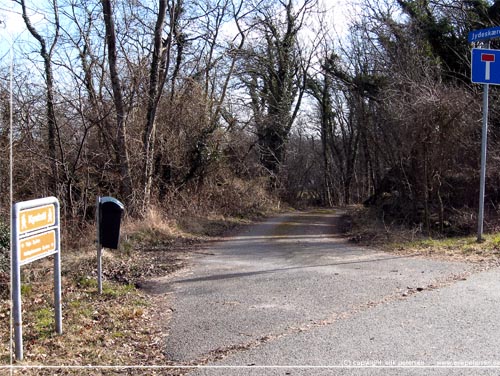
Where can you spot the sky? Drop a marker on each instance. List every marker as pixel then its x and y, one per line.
pixel 12 22
pixel 13 30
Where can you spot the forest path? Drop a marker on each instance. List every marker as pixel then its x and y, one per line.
pixel 292 292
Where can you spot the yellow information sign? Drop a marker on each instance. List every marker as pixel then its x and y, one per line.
pixel 37 246
pixel 35 234
pixel 36 218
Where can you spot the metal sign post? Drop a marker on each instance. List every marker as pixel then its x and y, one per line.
pixel 35 235
pixel 99 247
pixel 484 146
pixel 481 62
pixel 482 72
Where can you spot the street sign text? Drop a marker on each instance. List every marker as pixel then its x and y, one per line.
pixel 484 34
pixel 37 246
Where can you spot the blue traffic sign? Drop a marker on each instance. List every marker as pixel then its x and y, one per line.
pixel 484 34
pixel 485 66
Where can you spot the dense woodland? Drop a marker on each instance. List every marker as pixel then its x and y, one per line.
pixel 229 106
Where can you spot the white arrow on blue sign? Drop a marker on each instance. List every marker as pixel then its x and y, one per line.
pixel 485 66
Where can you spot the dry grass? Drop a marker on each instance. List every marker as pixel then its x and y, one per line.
pixel 117 327
pixel 364 228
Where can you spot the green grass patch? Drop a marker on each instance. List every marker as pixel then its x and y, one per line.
pixel 115 290
pixel 459 246
pixel 44 322
pixel 140 303
pixel 81 307
pixel 86 282
pixel 26 289
pixel 118 334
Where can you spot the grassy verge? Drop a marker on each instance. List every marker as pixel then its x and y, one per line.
pixel 362 227
pixel 466 248
pixel 123 326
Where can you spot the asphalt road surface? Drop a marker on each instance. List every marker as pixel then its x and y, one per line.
pixel 292 297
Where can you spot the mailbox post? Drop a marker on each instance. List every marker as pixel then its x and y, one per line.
pixel 108 217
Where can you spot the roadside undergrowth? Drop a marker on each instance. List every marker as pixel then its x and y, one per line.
pixel 362 227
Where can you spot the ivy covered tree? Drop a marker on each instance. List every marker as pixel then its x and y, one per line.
pixel 274 75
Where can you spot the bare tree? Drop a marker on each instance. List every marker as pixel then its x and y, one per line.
pixel 275 78
pixel 47 51
pixel 155 88
pixel 121 139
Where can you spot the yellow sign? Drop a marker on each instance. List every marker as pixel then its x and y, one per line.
pixel 37 246
pixel 36 218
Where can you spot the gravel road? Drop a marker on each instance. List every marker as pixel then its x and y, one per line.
pixel 291 297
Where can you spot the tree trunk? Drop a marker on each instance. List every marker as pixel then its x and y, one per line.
pixel 121 140
pixel 46 55
pixel 154 94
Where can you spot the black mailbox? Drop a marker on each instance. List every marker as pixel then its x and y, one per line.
pixel 110 215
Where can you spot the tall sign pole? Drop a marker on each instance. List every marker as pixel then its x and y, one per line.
pixel 484 70
pixel 99 247
pixel 487 59
pixel 484 146
pixel 11 174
